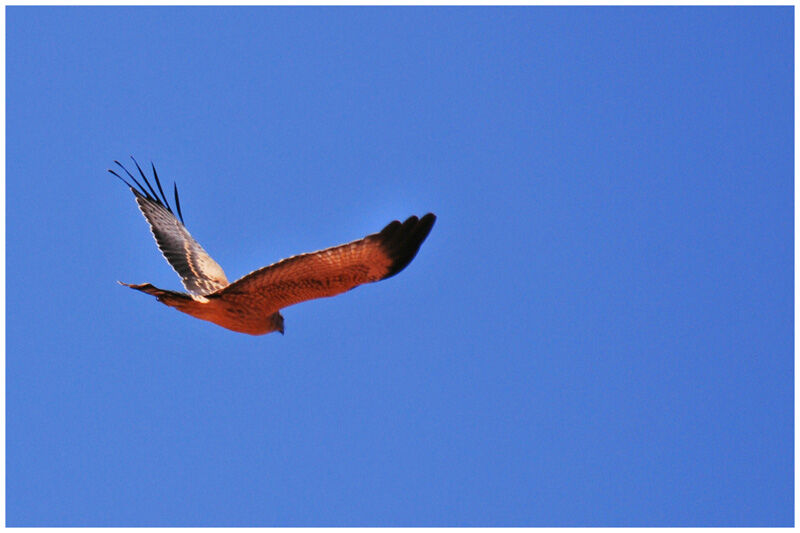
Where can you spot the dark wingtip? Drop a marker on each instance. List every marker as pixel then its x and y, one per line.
pixel 149 192
pixel 141 191
pixel 177 201
pixel 123 180
pixel 155 195
pixel 402 241
pixel 158 183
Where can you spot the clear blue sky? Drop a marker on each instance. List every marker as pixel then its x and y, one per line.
pixel 598 330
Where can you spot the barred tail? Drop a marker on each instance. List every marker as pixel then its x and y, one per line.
pixel 179 300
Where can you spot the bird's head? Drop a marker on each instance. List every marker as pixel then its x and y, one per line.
pixel 277 322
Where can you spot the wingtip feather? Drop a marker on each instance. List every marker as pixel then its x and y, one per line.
pixel 148 192
pixel 177 201
pixel 401 242
pixel 155 195
pixel 158 183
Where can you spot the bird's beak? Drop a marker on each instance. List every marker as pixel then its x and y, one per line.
pixel 281 330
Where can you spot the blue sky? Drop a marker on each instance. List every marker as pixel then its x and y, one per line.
pixel 598 330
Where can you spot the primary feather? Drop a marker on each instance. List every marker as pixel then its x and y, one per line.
pixel 199 273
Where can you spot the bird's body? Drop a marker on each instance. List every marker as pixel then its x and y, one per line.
pixel 252 303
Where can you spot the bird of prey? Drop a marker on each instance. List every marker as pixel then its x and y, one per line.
pixel 252 303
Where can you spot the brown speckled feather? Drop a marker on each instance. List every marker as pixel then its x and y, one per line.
pixel 252 303
pixel 331 271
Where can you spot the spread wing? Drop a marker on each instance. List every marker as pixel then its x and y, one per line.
pixel 331 271
pixel 199 273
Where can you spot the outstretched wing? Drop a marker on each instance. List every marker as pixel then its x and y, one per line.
pixel 332 271
pixel 200 274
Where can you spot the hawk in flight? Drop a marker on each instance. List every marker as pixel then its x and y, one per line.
pixel 252 304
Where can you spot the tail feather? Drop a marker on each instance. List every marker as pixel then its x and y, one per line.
pixel 171 298
pixel 196 306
